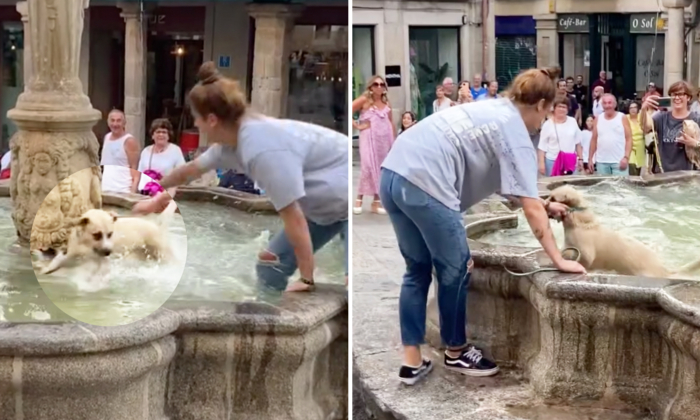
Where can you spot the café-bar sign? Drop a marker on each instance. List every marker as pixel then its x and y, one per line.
pixel 572 24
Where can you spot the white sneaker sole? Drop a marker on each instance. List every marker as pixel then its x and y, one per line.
pixel 357 210
pixel 474 372
pixel 412 381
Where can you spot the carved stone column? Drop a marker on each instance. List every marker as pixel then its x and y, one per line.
pixel 23 10
pixel 54 118
pixel 135 49
pixel 273 30
pixel 674 40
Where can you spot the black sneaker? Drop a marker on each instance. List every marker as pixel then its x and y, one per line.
pixel 471 362
pixel 410 375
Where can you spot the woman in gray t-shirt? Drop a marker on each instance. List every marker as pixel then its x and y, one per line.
pixel 303 169
pixel 669 149
pixel 437 170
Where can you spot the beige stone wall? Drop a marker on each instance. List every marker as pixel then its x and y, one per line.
pixel 391 21
pixel 226 32
pixel 537 7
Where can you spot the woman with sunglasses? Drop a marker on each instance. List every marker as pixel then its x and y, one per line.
pixel 377 133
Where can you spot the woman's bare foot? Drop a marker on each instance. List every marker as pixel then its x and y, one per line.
pixel 377 207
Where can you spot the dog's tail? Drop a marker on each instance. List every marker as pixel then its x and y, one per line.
pixel 167 215
pixel 691 268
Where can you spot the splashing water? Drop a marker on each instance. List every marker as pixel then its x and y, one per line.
pixel 666 218
pixel 220 246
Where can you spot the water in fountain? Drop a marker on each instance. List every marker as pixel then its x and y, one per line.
pixel 222 246
pixel 664 217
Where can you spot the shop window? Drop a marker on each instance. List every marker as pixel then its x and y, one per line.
pixel 649 67
pixel 12 76
pixel 513 55
pixel 434 55
pixel 362 61
pixel 318 76
pixel 575 55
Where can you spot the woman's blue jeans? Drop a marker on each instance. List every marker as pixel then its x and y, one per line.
pixel 275 274
pixel 429 235
pixel 548 166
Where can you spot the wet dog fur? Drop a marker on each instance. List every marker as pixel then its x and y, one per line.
pixel 604 249
pixel 691 127
pixel 99 234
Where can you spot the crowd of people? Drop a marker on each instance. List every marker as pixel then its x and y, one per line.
pixel 586 131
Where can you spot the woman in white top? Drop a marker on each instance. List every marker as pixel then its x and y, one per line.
pixel 560 133
pixel 159 159
pixel 586 135
pixel 442 102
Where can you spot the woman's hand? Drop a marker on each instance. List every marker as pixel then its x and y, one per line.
pixel 568 266
pixel 650 103
pixel 590 167
pixel 557 210
pixel 687 140
pixel 579 165
pixel 465 93
pixel 153 205
pixel 541 168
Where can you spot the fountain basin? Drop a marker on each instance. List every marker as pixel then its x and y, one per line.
pixel 619 343
pixel 199 356
pixel 193 361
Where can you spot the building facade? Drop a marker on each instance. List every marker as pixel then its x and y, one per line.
pixel 143 57
pixel 634 41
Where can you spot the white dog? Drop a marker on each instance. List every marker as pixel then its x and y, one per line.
pixel 98 234
pixel 605 249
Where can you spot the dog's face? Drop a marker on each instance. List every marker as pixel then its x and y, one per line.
pixel 566 195
pixel 95 231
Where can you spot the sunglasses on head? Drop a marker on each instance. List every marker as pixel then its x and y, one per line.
pixel 378 84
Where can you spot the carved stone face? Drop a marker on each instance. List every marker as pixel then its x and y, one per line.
pixel 42 163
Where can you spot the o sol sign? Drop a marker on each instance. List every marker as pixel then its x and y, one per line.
pixel 646 23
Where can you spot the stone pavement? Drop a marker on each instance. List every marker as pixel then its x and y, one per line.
pixel 377 393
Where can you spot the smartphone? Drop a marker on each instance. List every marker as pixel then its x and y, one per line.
pixel 664 102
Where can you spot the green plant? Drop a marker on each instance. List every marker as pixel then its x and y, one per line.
pixel 432 76
pixel 428 79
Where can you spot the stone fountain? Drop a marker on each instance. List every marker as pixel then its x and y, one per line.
pixel 596 347
pixel 54 118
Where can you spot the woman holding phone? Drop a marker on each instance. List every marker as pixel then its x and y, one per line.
pixel 671 141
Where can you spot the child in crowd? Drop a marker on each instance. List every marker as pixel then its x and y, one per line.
pixel 442 102
pixel 586 135
pixel 407 120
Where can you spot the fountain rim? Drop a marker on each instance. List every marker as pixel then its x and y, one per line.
pixel 292 316
pixel 620 289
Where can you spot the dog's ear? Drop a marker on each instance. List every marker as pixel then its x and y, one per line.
pixel 84 221
pixel 114 215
